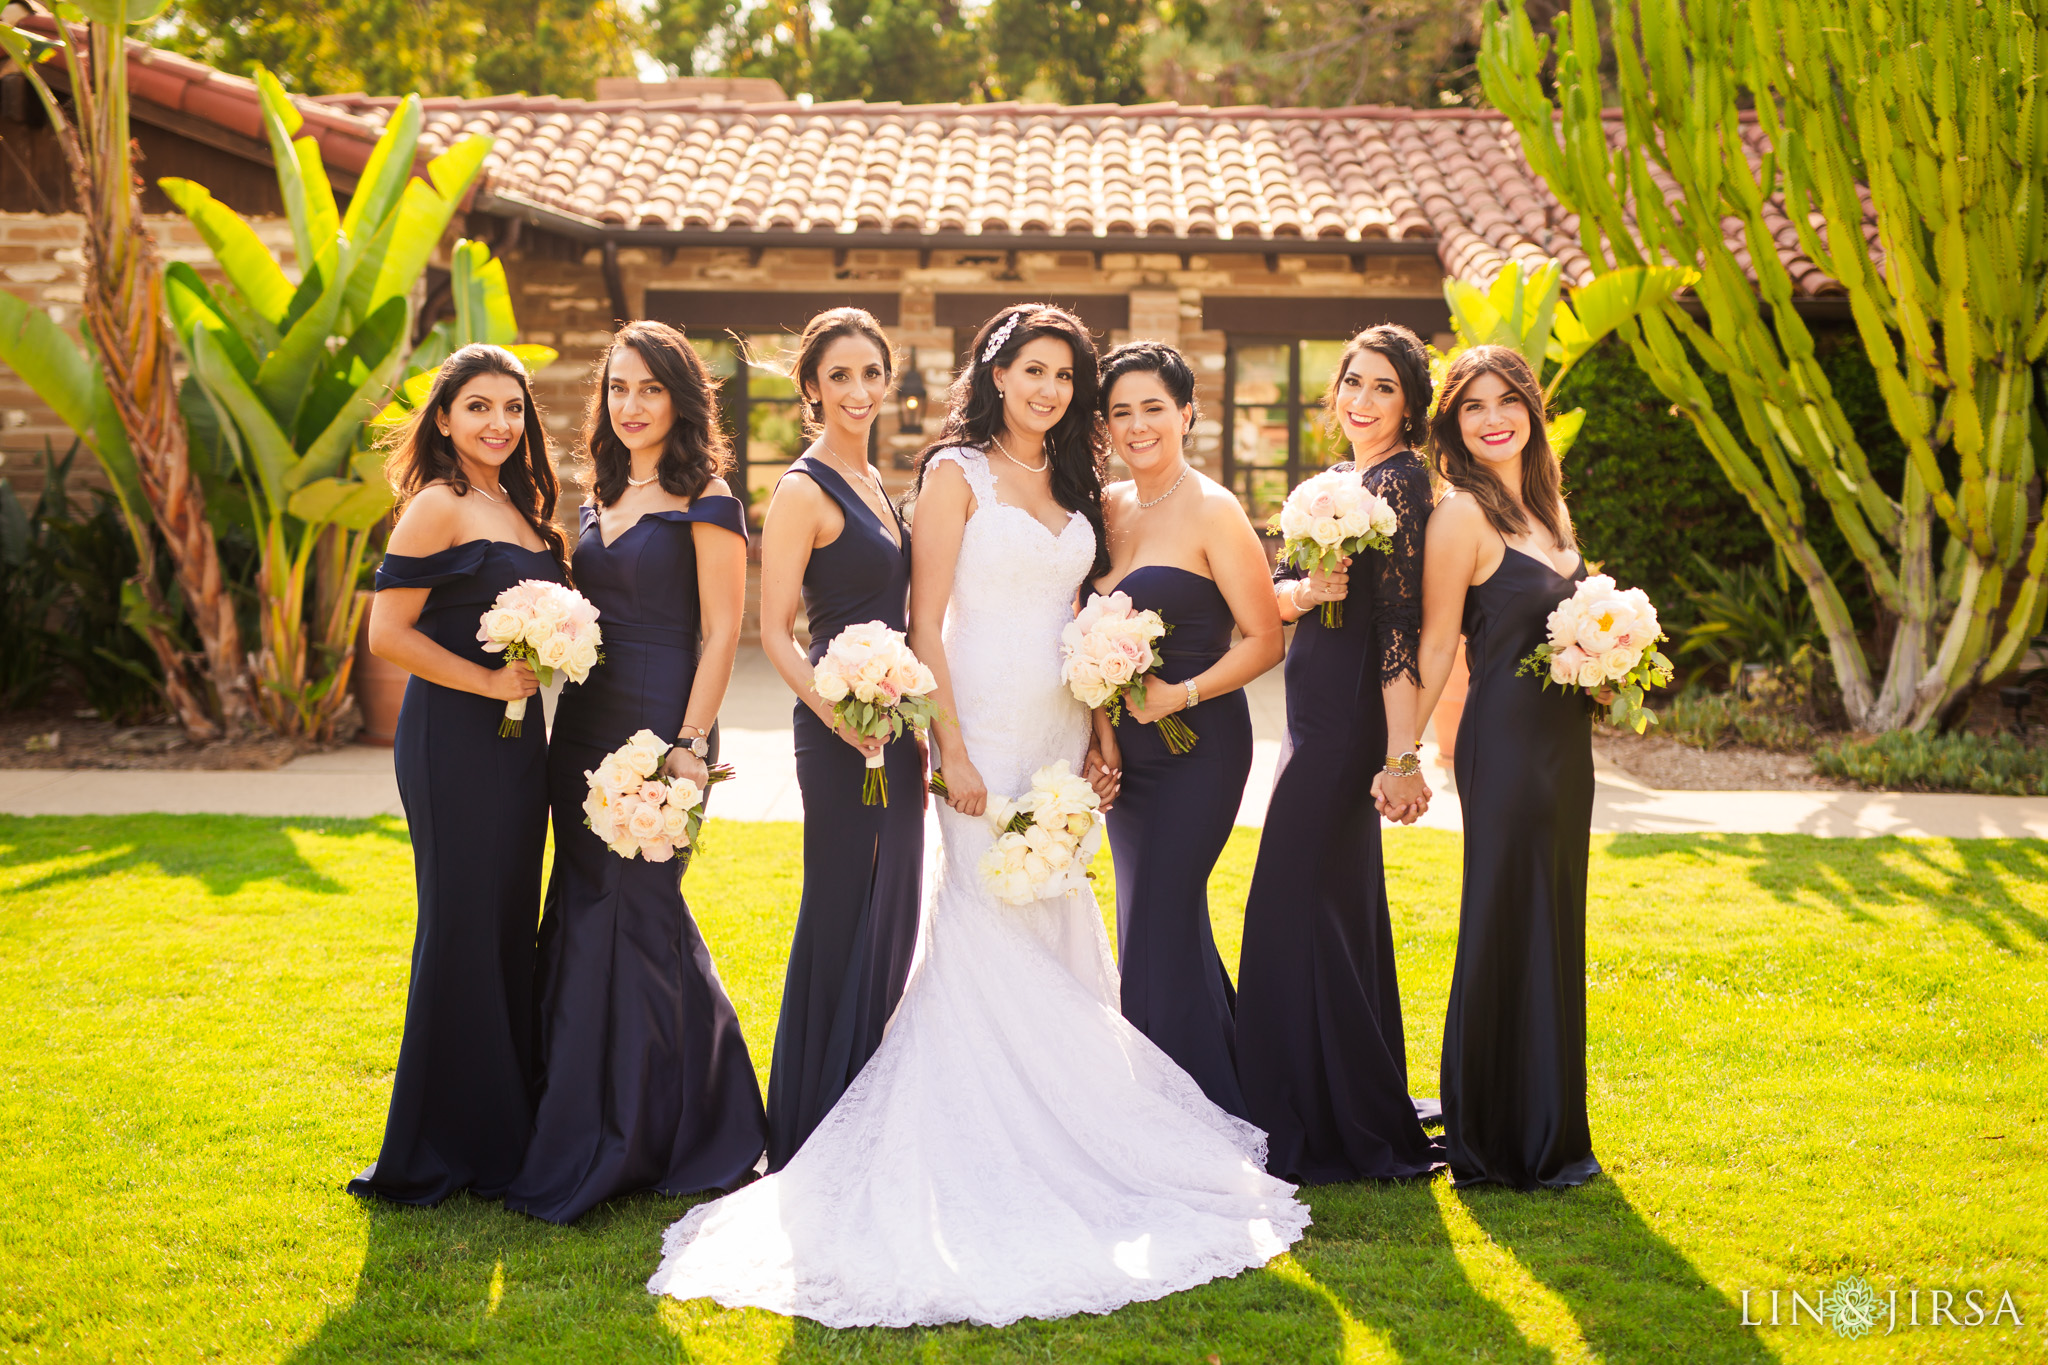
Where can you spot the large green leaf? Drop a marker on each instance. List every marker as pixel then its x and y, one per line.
pixel 483 301
pixel 192 304
pixel 116 13
pixel 70 383
pixel 423 215
pixel 332 446
pixel 243 257
pixel 1618 296
pixel 535 358
pixel 263 443
pixel 280 120
pixel 367 349
pixel 287 373
pixel 348 504
pixel 385 173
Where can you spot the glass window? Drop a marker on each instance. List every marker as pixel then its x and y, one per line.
pixel 762 404
pixel 1274 431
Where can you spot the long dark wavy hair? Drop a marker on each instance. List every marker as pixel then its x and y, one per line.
pixel 696 451
pixel 820 332
pixel 1076 445
pixel 421 454
pixel 1542 477
pixel 1404 351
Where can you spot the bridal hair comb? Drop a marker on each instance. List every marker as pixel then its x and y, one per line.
pixel 1002 334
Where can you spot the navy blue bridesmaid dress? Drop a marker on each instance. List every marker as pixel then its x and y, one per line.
pixel 856 930
pixel 645 1081
pixel 1167 828
pixel 1320 1047
pixel 476 806
pixel 1514 1062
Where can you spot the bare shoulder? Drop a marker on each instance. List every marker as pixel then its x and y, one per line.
pixel 1219 502
pixel 431 522
pixel 716 487
pixel 1456 512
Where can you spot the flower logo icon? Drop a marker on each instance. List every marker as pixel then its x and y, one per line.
pixel 1851 1307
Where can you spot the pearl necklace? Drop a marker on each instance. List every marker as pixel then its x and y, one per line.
pixel 632 482
pixel 1039 468
pixel 1185 467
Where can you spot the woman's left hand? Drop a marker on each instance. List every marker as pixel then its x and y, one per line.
pixel 1162 699
pixel 1605 696
pixel 686 765
pixel 1104 770
pixel 1401 799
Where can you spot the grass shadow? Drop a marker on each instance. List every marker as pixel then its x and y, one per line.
pixel 1969 881
pixel 1634 1295
pixel 223 853
pixel 1384 1254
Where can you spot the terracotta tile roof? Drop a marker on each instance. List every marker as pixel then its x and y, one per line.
pixel 1093 176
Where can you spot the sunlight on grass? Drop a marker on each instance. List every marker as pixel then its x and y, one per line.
pixel 1807 1058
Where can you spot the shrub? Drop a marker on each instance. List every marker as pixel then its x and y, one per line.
pixel 1902 760
pixel 1750 614
pixel 1785 707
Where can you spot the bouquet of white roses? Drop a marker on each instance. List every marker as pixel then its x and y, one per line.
pixel 1328 518
pixel 1044 839
pixel 1105 653
pixel 636 810
pixel 876 687
pixel 1601 637
pixel 551 626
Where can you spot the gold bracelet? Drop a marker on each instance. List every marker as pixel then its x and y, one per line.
pixel 1404 765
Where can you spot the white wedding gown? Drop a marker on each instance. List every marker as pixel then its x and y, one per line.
pixel 1014 1149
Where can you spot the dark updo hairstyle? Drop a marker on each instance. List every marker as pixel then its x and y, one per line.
pixel 1542 479
pixel 820 332
pixel 1404 351
pixel 696 451
pixel 1150 357
pixel 421 454
pixel 1075 445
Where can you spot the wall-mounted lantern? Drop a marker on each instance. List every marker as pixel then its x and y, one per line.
pixel 911 399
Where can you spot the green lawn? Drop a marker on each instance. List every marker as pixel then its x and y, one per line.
pixel 1809 1059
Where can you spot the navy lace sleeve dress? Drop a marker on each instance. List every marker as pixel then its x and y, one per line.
pixel 1320 1048
pixel 856 929
pixel 476 807
pixel 1514 1061
pixel 645 1081
pixel 1166 831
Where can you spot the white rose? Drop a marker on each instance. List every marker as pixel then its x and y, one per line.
pixel 582 658
pixel 1384 519
pixel 675 822
pixel 831 684
pixel 554 651
pixel 1619 660
pixel 501 627
pixel 1561 670
pixel 644 821
pixel 1118 670
pixel 1592 674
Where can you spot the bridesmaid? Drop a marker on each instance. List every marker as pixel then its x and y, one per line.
pixel 645 1079
pixel 1181 545
pixel 1501 556
pixel 1320 1047
pixel 477 491
pixel 834 543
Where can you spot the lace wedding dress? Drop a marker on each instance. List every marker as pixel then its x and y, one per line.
pixel 1014 1149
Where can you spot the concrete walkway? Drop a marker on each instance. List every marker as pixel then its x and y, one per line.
pixel 358 782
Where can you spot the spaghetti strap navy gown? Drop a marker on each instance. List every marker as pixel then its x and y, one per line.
pixel 1166 831
pixel 645 1081
pixel 1514 1064
pixel 476 806
pixel 856 929
pixel 1320 1046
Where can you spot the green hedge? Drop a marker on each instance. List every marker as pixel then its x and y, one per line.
pixel 1645 493
pixel 1998 766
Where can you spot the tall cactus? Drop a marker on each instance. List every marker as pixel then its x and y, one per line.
pixel 1920 115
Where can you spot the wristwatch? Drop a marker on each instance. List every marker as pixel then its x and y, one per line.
pixel 696 744
pixel 1194 695
pixel 1404 765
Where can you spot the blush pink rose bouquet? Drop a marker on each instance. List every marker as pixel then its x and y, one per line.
pixel 1329 518
pixel 637 811
pixel 1105 653
pixel 551 626
pixel 1604 637
pixel 877 687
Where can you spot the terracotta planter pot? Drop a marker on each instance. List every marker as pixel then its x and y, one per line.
pixel 1450 707
pixel 380 691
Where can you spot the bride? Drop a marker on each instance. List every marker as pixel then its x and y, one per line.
pixel 1014 1149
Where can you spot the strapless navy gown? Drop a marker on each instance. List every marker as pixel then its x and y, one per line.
pixel 476 807
pixel 856 929
pixel 1320 1047
pixel 1166 831
pixel 645 1081
pixel 1514 1068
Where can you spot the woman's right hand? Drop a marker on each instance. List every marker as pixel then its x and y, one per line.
pixel 965 791
pixel 512 682
pixel 1333 585
pixel 867 744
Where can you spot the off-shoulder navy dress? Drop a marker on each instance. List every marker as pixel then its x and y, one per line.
pixel 856 930
pixel 476 806
pixel 1166 831
pixel 1320 1046
pixel 645 1081
pixel 1514 1062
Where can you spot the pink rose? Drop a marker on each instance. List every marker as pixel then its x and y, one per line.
pixel 656 850
pixel 644 822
